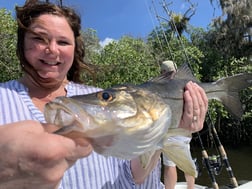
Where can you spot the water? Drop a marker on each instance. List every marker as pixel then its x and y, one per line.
pixel 240 160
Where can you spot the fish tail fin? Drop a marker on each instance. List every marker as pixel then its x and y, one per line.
pixel 229 88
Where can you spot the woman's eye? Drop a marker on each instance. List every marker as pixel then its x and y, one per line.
pixel 38 38
pixel 63 42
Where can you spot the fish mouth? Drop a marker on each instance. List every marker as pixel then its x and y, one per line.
pixel 57 113
pixel 74 122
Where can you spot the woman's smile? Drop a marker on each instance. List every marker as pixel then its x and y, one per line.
pixel 49 48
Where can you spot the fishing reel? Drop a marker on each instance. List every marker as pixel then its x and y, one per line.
pixel 215 164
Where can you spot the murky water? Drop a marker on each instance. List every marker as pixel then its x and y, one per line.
pixel 240 159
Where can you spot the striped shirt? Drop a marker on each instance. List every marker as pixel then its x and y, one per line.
pixel 92 172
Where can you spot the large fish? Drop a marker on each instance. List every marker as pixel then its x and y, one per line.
pixel 127 121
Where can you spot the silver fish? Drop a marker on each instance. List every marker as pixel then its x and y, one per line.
pixel 127 121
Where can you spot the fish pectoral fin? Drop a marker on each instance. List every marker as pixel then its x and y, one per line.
pixel 145 158
pixel 179 153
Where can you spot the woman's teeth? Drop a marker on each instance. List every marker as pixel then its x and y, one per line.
pixel 51 63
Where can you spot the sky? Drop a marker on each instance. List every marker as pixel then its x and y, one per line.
pixel 113 19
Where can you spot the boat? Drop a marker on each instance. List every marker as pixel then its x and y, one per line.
pixel 183 185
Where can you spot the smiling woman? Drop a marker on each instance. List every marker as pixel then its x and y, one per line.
pixel 51 52
pixel 49 48
pixel 48 34
pixel 49 44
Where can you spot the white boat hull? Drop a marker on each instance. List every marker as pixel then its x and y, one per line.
pixel 183 185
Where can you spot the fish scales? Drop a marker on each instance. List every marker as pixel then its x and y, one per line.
pixel 127 121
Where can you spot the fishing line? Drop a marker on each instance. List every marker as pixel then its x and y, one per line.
pixel 165 5
pixel 211 126
pixel 155 29
pixel 163 31
pixel 210 168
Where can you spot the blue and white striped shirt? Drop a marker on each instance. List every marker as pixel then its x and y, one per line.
pixel 92 172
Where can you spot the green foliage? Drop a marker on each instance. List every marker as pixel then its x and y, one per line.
pixel 125 61
pixel 218 63
pixel 9 64
pixel 133 60
pixel 91 42
pixel 232 31
pixel 166 46
pixel 235 66
pixel 212 55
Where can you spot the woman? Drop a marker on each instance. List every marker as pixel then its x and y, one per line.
pixel 50 50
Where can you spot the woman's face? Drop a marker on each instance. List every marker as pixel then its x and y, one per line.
pixel 53 57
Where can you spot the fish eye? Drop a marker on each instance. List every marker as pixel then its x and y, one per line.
pixel 106 96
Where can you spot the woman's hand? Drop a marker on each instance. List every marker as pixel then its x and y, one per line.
pixel 195 107
pixel 31 158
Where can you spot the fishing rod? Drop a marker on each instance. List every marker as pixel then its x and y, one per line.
pixel 215 134
pixel 204 152
pixel 216 137
pixel 207 163
pixel 223 155
pixel 221 151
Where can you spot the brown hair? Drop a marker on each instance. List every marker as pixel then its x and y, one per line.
pixel 33 9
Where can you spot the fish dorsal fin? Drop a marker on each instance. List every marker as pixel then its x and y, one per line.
pixel 184 72
pixel 163 77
